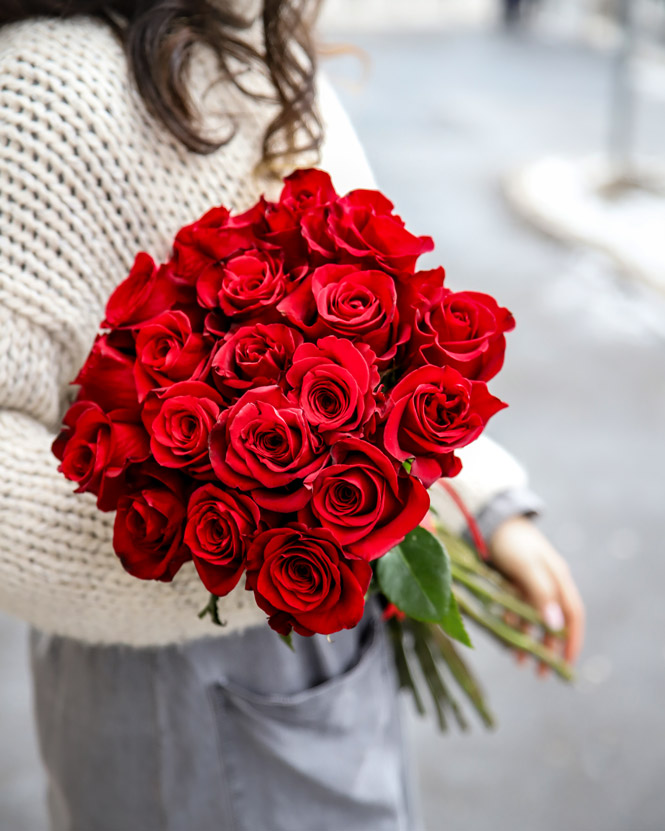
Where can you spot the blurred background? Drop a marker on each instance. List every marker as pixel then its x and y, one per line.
pixel 528 138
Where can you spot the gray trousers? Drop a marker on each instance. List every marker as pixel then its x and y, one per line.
pixel 235 733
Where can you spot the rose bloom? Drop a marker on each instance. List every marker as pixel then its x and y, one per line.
pixel 167 350
pixel 248 282
pixel 144 293
pixel 253 356
pixel 95 448
pixel 220 526
pixel 107 376
pixel 334 382
pixel 366 499
pixel 179 419
pixel 358 305
pixel 432 412
pixel 302 580
pixel 148 527
pixel 264 444
pixel 464 330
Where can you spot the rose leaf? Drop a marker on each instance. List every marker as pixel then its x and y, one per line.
pixel 453 625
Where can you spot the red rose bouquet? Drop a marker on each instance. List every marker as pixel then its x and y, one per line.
pixel 273 402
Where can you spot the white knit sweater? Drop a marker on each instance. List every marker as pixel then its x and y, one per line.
pixel 88 178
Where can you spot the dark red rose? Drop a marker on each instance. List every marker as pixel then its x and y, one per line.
pixel 359 305
pixel 465 330
pixel 302 580
pixel 179 419
pixel 107 376
pixel 247 282
pixel 432 412
pixel 167 350
pixel 146 292
pixel 361 227
pixel 214 236
pixel 95 448
pixel 366 499
pixel 220 526
pixel 264 444
pixel 253 356
pixel 148 528
pixel 333 381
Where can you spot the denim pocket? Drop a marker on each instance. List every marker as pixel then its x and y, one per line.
pixel 328 757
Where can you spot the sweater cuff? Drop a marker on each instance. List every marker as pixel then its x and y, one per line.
pixel 518 501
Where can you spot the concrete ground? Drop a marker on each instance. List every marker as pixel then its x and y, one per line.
pixel 444 116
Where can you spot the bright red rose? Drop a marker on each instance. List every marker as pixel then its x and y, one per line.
pixel 107 376
pixel 361 227
pixel 264 444
pixel 148 527
pixel 179 419
pixel 307 189
pixel 214 236
pixel 220 526
pixel 247 282
pixel 465 330
pixel 253 356
pixel 432 412
pixel 95 448
pixel 167 350
pixel 302 580
pixel 359 305
pixel 367 500
pixel 146 292
pixel 334 382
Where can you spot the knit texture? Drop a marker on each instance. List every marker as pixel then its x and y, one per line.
pixel 89 178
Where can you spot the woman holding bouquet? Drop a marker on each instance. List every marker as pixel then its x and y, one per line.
pixel 121 123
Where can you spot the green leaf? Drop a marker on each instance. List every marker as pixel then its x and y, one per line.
pixel 453 625
pixel 288 640
pixel 415 576
pixel 406 464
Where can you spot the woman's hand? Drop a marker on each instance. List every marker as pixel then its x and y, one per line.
pixel 521 552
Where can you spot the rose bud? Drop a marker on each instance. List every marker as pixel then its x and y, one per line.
pixel 95 450
pixel 302 580
pixel 432 412
pixel 333 381
pixel 179 419
pixel 144 293
pixel 220 526
pixel 465 330
pixel 367 500
pixel 148 528
pixel 253 356
pixel 264 444
pixel 167 350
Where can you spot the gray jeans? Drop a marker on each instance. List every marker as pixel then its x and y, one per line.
pixel 235 733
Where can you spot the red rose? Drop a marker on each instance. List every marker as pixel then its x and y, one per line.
pixel 107 376
pixel 367 500
pixel 433 411
pixel 214 236
pixel 340 300
pixel 466 331
pixel 179 419
pixel 146 292
pixel 147 533
pixel 263 443
pixel 95 448
pixel 361 227
pixel 220 525
pixel 333 381
pixel 302 580
pixel 247 282
pixel 253 356
pixel 167 350
pixel 307 189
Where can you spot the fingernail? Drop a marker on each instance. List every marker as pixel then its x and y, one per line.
pixel 553 616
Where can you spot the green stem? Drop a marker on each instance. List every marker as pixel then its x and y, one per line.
pixel 406 679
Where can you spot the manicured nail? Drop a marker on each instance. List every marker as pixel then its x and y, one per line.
pixel 553 616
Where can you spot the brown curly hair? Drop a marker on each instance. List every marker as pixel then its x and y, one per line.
pixel 159 37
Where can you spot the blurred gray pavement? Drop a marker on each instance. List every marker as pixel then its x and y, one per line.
pixel 444 117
